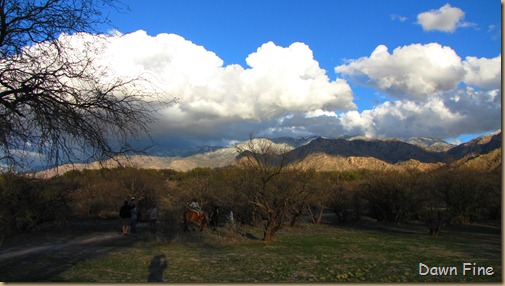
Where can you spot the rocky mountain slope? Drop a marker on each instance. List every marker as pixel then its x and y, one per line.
pixel 476 147
pixel 486 162
pixel 330 154
pixel 389 151
pixel 430 144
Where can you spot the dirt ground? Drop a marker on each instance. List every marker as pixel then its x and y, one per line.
pixel 42 255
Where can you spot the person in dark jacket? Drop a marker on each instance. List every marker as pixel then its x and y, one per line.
pixel 125 215
pixel 214 218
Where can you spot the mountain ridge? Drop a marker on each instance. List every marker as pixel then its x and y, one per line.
pixel 325 154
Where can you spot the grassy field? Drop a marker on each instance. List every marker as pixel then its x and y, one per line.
pixel 308 253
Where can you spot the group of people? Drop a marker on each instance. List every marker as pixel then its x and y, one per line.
pixel 130 215
pixel 214 215
pixel 196 207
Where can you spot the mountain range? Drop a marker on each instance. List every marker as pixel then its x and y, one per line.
pixel 324 154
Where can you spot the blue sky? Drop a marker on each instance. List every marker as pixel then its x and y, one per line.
pixel 375 68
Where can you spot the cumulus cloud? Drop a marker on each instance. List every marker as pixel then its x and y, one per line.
pixel 416 71
pixel 421 71
pixel 457 112
pixel 445 19
pixel 438 94
pixel 279 79
pixel 283 91
pixel 215 100
pixel 482 72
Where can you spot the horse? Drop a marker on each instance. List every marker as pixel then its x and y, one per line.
pixel 191 216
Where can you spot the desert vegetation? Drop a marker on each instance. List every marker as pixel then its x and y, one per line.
pixel 56 103
pixel 370 219
pixel 261 193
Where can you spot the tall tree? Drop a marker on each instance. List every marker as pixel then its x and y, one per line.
pixel 265 168
pixel 55 99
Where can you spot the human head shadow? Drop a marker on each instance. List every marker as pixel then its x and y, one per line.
pixel 156 268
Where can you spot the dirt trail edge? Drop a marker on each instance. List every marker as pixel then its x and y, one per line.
pixel 42 257
pixel 77 242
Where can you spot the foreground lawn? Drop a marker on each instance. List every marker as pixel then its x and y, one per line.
pixel 307 253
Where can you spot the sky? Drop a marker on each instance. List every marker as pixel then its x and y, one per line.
pixel 331 68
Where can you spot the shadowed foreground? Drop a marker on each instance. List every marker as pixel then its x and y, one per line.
pixel 365 252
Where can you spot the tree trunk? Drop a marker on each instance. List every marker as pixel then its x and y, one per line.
pixel 320 215
pixel 268 233
pixel 296 214
pixel 272 225
pixel 311 214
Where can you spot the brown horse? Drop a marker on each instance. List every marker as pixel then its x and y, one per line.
pixel 195 218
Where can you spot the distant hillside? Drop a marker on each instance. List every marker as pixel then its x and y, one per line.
pixel 486 162
pixel 430 144
pixel 325 162
pixel 391 151
pixel 330 154
pixel 221 157
pixel 478 146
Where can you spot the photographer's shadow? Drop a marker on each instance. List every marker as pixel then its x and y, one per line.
pixel 156 268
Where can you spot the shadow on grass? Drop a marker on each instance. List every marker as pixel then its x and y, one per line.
pixel 250 236
pixel 474 228
pixel 417 228
pixel 156 268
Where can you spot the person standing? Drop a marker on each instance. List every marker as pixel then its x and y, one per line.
pixel 214 218
pixel 153 218
pixel 133 211
pixel 134 219
pixel 230 217
pixel 125 215
pixel 132 203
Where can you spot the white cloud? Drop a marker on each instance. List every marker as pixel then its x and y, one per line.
pixel 435 92
pixel 408 118
pixel 483 73
pixel 279 79
pixel 416 71
pixel 320 112
pixel 396 17
pixel 457 112
pixel 421 71
pixel 445 19
pixel 215 100
pixel 284 92
pixel 290 80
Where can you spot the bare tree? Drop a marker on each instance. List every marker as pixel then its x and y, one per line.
pixel 197 184
pixel 55 99
pixel 321 196
pixel 264 167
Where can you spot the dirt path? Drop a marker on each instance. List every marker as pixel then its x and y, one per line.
pixel 20 251
pixel 41 257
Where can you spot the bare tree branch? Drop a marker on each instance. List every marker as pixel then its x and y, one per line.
pixel 55 99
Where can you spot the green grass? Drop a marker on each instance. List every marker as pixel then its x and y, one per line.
pixel 302 254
